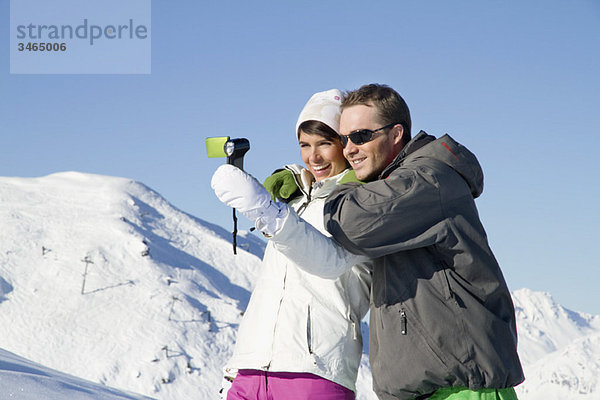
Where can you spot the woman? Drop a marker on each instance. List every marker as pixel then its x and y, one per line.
pixel 300 336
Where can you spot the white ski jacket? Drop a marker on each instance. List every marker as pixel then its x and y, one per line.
pixel 298 322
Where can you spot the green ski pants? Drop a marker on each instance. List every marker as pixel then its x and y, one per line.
pixel 461 393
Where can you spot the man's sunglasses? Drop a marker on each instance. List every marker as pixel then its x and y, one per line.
pixel 361 136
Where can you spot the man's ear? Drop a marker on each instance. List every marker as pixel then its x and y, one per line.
pixel 398 133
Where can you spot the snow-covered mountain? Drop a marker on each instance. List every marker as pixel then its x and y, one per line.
pixel 101 278
pixel 559 349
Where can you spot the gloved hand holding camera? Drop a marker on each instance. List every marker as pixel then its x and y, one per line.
pixel 243 192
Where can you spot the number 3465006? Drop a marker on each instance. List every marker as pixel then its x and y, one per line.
pixel 42 46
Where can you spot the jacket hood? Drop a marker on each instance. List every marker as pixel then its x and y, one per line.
pixel 446 150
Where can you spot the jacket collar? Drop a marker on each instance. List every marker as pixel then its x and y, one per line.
pixel 307 184
pixel 415 144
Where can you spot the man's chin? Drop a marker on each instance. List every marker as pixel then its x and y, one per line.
pixel 365 176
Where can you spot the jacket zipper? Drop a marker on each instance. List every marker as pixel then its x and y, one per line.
pixel 266 367
pixel 403 322
pixel 304 205
pixel 308 332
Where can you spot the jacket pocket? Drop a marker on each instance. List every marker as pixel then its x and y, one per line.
pixel 405 352
pixel 419 334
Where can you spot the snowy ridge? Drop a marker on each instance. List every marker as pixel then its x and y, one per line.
pixel 160 303
pixel 157 311
pixel 545 326
pixel 559 349
pixel 22 379
pixel 569 373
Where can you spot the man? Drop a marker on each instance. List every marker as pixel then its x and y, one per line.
pixel 442 319
pixel 441 313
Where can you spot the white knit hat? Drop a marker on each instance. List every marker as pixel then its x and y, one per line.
pixel 323 107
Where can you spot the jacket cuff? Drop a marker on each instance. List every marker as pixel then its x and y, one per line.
pixel 272 218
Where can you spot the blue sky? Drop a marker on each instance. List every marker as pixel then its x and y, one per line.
pixel 518 84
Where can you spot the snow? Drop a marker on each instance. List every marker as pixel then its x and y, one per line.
pixel 21 379
pixel 156 312
pixel 559 349
pixel 160 324
pixel 545 326
pixel 571 372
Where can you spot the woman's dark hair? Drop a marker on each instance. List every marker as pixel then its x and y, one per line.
pixel 313 127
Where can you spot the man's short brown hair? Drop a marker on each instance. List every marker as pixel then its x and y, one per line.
pixel 390 106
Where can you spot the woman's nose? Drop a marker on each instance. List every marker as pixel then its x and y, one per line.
pixel 315 156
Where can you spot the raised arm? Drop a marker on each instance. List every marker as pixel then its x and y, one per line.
pixel 301 242
pixel 385 216
pixel 312 250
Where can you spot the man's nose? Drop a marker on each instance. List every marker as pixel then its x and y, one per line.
pixel 350 149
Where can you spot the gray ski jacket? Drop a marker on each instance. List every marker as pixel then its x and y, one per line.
pixel 441 312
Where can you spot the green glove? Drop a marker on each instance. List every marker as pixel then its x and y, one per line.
pixel 349 177
pixel 281 185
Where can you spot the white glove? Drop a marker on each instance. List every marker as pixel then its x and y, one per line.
pixel 243 192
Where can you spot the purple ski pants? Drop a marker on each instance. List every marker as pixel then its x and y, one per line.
pixel 260 385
